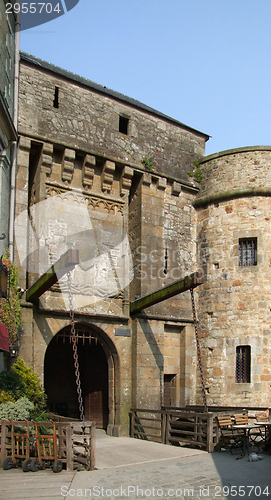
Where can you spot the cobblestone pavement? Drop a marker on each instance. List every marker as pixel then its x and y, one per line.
pixel 193 474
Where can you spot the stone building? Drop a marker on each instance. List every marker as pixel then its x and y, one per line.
pixel 7 126
pixel 111 177
pixel 8 138
pixel 233 232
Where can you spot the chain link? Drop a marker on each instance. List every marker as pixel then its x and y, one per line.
pixel 198 349
pixel 75 353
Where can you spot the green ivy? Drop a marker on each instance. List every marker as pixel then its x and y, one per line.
pixel 10 309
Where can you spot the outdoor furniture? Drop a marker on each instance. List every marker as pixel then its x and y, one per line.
pixel 267 435
pixel 240 419
pixel 255 435
pixel 246 435
pixel 228 437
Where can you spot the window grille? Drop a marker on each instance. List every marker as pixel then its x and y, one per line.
pixel 243 362
pixel 248 252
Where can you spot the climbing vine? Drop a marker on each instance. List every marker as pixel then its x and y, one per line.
pixel 10 309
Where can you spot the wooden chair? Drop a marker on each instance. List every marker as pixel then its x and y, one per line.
pixel 256 436
pixel 229 438
pixel 265 433
pixel 240 419
pixel 263 416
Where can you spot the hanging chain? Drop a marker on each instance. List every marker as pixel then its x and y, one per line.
pixel 75 353
pixel 198 349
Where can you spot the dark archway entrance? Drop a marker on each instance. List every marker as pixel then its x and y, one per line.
pixel 59 376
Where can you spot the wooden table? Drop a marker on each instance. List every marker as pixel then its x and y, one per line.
pixel 246 428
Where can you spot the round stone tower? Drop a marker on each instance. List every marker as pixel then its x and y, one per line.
pixel 234 251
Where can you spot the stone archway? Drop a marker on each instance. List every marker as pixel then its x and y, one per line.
pixel 98 363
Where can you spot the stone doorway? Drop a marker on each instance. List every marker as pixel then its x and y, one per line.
pixel 59 376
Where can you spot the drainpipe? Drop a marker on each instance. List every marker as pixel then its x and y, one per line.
pixel 15 143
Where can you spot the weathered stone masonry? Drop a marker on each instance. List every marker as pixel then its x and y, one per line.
pixel 69 141
pixel 234 203
pixel 129 163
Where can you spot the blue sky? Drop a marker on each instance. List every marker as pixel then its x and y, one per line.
pixel 205 63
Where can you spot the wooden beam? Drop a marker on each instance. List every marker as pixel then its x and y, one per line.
pixel 65 263
pixel 191 281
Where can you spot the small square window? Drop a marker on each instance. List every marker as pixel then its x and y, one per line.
pixel 242 370
pixel 123 125
pixel 248 252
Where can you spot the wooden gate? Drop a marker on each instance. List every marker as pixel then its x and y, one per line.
pixel 95 386
pixel 60 377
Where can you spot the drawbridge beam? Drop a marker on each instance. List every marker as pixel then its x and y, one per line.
pixel 65 263
pixel 186 283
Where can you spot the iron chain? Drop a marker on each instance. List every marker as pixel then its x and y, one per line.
pixel 198 349
pixel 75 353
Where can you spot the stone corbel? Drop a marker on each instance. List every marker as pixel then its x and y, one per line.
pixel 108 175
pixel 68 165
pixel 88 171
pixel 147 179
pixel 126 181
pixel 176 188
pixel 24 150
pixel 162 183
pixel 47 158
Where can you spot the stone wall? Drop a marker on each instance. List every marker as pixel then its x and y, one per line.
pixel 86 117
pixel 71 149
pixel 4 201
pixel 7 58
pixel 234 170
pixel 235 300
pixel 7 129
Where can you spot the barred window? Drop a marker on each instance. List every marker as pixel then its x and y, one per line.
pixel 248 252
pixel 243 357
